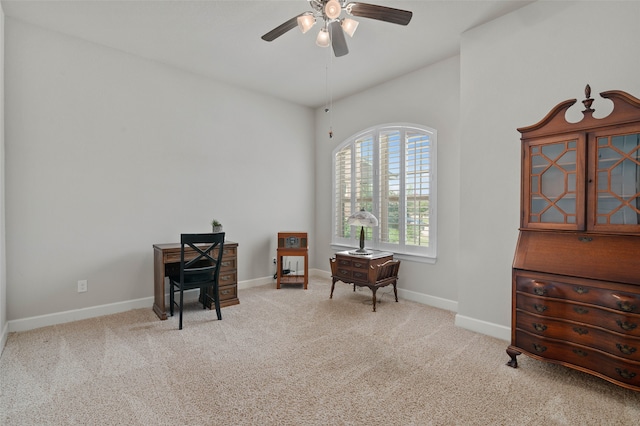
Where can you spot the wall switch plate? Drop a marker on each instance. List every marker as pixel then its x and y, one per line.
pixel 82 286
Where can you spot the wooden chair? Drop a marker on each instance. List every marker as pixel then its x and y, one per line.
pixel 200 258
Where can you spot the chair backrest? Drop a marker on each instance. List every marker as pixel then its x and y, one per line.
pixel 388 270
pixel 203 267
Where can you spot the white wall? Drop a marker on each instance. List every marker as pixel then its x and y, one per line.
pixel 4 324
pixel 513 71
pixel 431 97
pixel 108 153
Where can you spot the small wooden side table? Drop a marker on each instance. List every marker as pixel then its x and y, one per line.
pixel 374 270
pixel 293 244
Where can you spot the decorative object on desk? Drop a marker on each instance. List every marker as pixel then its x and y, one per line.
pixel 216 226
pixel 362 218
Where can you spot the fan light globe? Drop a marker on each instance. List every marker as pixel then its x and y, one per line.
pixel 323 38
pixel 305 22
pixel 349 26
pixel 332 9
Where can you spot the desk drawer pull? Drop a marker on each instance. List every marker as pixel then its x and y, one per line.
pixel 580 310
pixel 539 308
pixel 539 327
pixel 580 352
pixel 539 348
pixel 626 325
pixel 625 374
pixel 625 349
pixel 580 330
pixel 581 290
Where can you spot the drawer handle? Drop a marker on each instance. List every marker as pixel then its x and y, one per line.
pixel 539 308
pixel 225 292
pixel 626 374
pixel 539 327
pixel 585 239
pixel 626 306
pixel 357 264
pixel 539 348
pixel 580 330
pixel 344 271
pixel 580 352
pixel 625 349
pixel 225 277
pixel 540 291
pixel 580 310
pixel 581 290
pixel 628 326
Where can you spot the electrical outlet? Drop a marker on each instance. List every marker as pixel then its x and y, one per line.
pixel 82 286
pixel 275 261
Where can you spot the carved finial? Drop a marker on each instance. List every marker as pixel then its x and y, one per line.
pixel 588 101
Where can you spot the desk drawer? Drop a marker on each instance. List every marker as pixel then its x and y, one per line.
pixel 228 264
pixel 344 263
pixel 227 278
pixel 174 255
pixel 228 292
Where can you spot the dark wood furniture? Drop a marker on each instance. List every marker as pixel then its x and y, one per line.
pixel 295 244
pixel 201 271
pixel 374 270
pixel 576 269
pixel 166 262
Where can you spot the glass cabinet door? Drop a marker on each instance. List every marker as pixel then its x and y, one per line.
pixel 554 198
pixel 617 182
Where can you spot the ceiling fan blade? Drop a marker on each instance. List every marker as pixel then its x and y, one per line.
pixel 381 13
pixel 337 39
pixel 281 29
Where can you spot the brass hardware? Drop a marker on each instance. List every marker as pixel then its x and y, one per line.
pixel 539 348
pixel 626 325
pixel 539 308
pixel 580 330
pixel 626 306
pixel 626 374
pixel 625 349
pixel 581 310
pixel 357 264
pixel 581 290
pixel 539 327
pixel 540 291
pixel 225 263
pixel 225 277
pixel 585 239
pixel 580 352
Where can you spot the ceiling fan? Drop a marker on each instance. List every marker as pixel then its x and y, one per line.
pixel 334 27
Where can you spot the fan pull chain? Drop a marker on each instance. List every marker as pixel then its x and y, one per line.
pixel 328 106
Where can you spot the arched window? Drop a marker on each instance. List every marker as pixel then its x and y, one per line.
pixel 390 171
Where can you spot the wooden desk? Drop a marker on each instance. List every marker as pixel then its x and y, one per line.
pixel 166 261
pixel 373 270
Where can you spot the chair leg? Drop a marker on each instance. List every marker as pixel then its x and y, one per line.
pixel 216 291
pixel 181 303
pixel 172 297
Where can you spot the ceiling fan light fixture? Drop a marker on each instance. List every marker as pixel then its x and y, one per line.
pixel 332 9
pixel 305 22
pixel 323 39
pixel 349 26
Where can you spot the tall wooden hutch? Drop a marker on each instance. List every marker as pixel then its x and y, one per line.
pixel 576 270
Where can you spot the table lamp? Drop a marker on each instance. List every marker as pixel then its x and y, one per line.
pixel 362 218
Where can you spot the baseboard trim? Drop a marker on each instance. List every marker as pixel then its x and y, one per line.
pixel 425 299
pixel 490 329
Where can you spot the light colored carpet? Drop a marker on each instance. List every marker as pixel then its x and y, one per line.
pixel 292 357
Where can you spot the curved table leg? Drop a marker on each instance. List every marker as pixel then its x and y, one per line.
pixel 333 284
pixel 374 289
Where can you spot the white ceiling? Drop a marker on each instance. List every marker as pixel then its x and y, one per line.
pixel 221 39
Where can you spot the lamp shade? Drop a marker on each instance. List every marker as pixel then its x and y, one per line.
pixel 323 38
pixel 305 22
pixel 332 9
pixel 362 218
pixel 349 26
